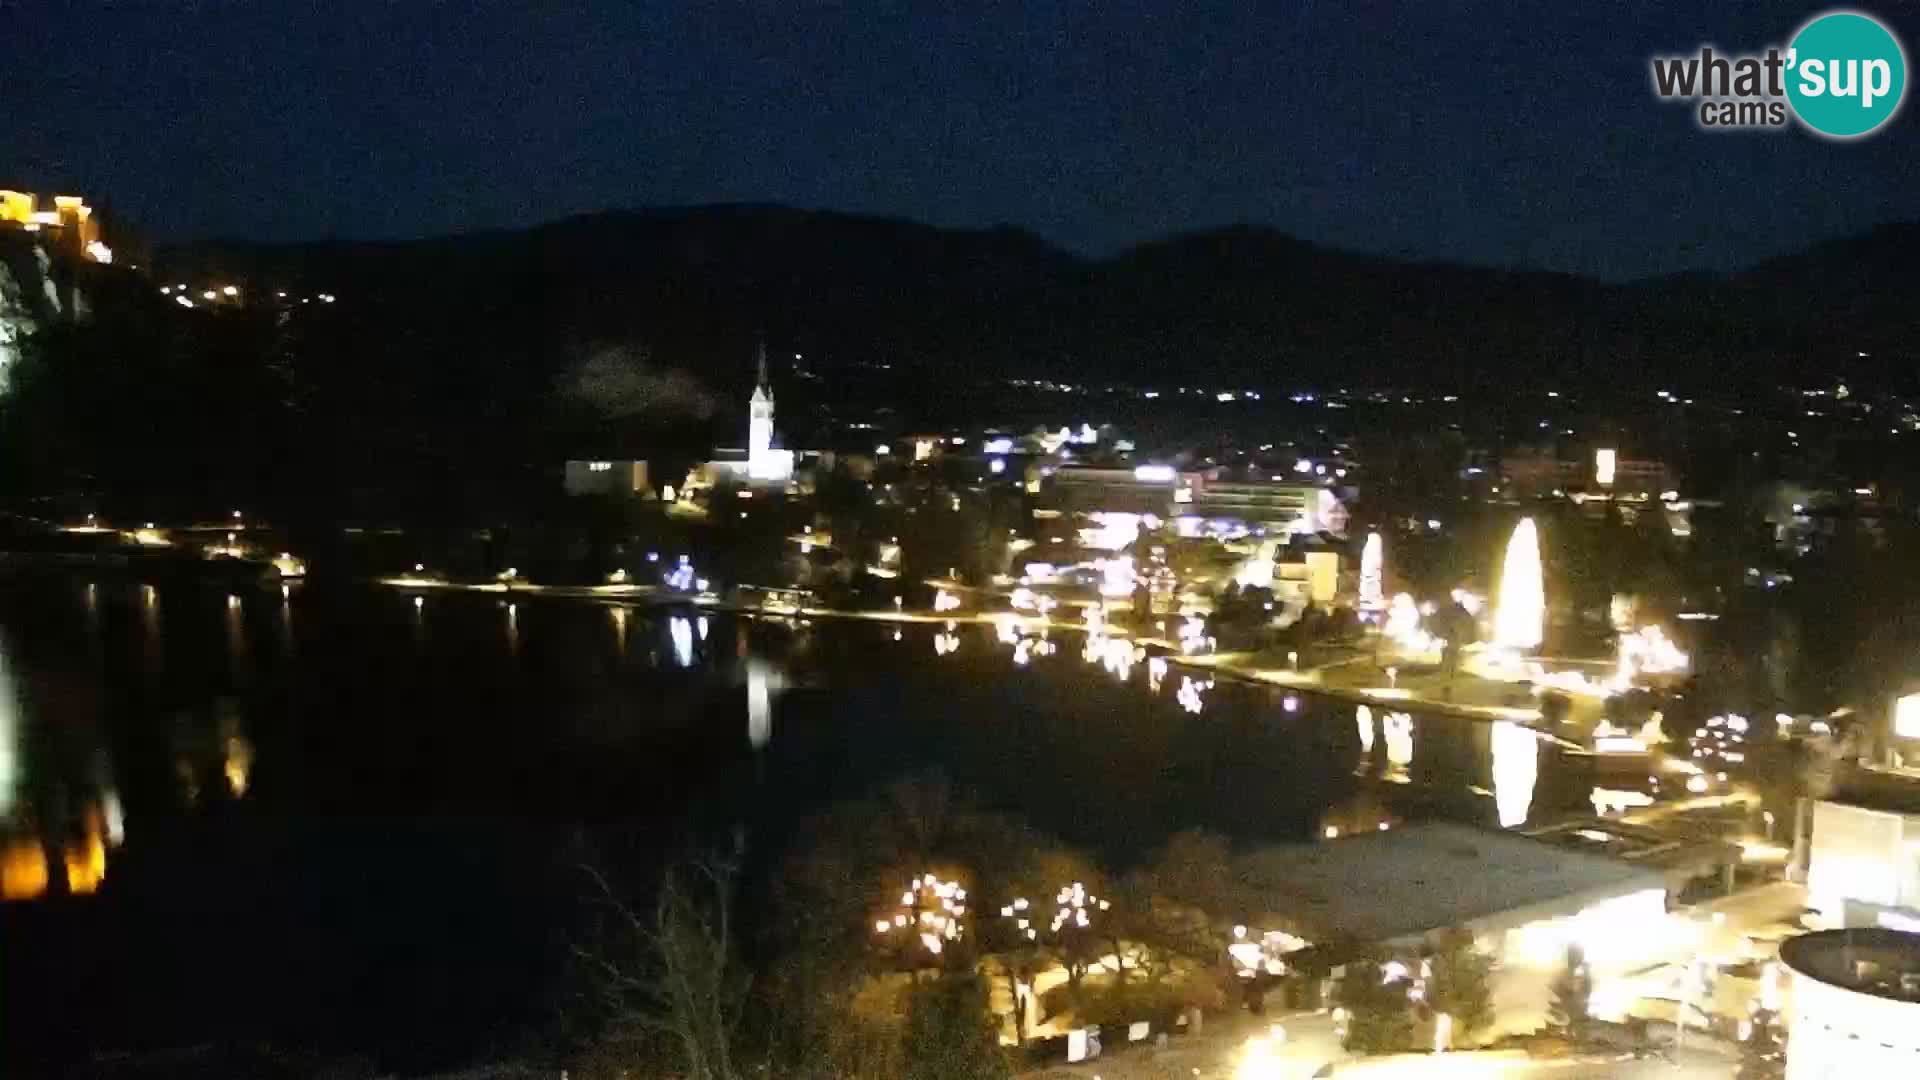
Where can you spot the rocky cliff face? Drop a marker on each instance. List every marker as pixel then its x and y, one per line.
pixel 16 321
pixel 33 290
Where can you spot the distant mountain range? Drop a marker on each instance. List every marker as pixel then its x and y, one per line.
pixel 1242 305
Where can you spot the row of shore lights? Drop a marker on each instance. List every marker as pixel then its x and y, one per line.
pixel 183 296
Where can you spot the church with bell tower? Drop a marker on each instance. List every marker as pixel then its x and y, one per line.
pixel 764 463
pixel 761 466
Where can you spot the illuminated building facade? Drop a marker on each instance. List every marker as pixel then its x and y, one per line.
pixel 761 465
pixel 1534 471
pixel 67 222
pixel 1143 489
pixel 1163 491
pixel 766 466
pixel 1271 504
pixel 1855 1008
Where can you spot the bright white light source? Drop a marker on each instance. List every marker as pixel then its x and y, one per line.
pixel 1603 463
pixel 1153 474
pixel 1906 717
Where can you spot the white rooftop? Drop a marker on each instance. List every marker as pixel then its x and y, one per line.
pixel 1403 883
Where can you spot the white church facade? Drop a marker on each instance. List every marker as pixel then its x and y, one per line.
pixel 761 466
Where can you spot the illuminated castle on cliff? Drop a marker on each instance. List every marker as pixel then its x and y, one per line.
pixel 70 225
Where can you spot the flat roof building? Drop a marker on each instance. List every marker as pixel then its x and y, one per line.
pixel 1530 898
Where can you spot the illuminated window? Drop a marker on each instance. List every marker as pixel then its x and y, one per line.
pixel 1906 717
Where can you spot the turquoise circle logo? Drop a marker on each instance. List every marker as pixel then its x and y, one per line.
pixel 1846 74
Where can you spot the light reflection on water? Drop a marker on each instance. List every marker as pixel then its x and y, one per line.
pixel 399 753
pixel 682 633
pixel 222 765
pixel 33 843
pixel 1516 768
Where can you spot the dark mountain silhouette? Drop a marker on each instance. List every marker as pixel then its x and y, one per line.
pixel 1245 304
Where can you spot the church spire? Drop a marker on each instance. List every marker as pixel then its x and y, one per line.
pixel 761 362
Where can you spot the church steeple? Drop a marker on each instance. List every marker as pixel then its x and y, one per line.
pixel 760 410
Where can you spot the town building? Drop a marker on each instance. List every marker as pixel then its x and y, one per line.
pixel 619 479
pixel 1855 1003
pixel 1142 489
pixel 1199 502
pixel 1525 899
pixel 1534 471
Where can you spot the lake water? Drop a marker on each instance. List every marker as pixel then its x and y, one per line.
pixel 350 819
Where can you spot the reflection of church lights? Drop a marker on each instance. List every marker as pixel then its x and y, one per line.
pixel 1516 768
pixel 1156 671
pixel 945 601
pixel 1520 613
pixel 759 705
pixel 1363 720
pixel 681 631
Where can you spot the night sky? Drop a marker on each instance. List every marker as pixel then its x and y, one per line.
pixel 1495 133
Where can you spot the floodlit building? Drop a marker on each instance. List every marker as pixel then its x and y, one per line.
pixel 761 465
pixel 1855 1008
pixel 68 223
pixel 1274 505
pixel 1141 489
pixel 1198 500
